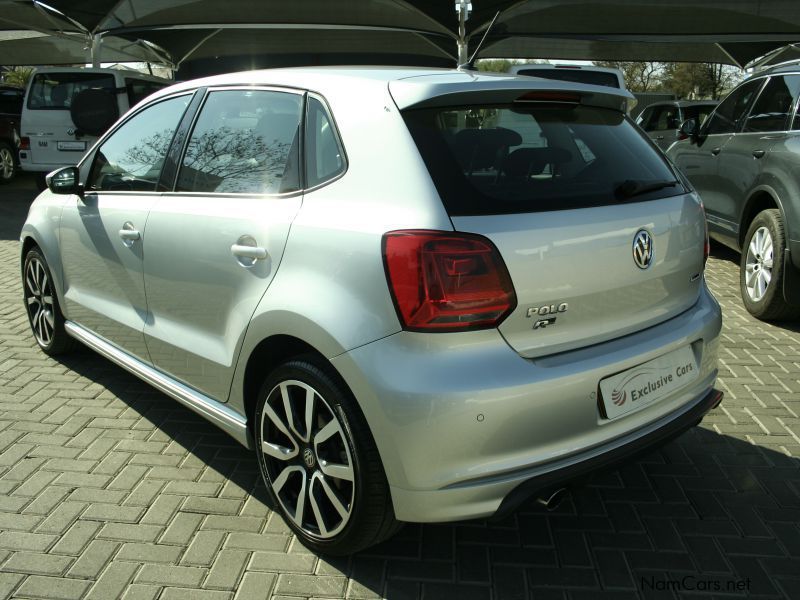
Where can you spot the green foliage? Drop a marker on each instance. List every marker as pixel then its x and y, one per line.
pixel 494 65
pixel 17 75
pixel 639 76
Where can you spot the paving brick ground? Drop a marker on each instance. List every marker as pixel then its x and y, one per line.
pixel 109 489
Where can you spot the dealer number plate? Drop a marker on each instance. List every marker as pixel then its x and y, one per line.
pixel 648 382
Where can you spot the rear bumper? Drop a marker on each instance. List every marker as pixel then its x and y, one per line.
pixel 462 421
pixel 584 468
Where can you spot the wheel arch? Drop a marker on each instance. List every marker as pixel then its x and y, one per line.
pixel 762 198
pixel 267 355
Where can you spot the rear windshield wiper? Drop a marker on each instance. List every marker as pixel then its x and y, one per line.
pixel 636 187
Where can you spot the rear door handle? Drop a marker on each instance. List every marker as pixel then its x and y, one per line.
pixel 659 137
pixel 759 153
pixel 716 151
pixel 251 252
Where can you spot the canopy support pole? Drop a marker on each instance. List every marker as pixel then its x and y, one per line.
pixel 463 8
pixel 95 48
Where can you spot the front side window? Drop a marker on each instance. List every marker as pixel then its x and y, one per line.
pixel 699 112
pixel 324 155
pixel 244 141
pixel 132 157
pixel 513 159
pixel 55 91
pixel 728 116
pixel 774 106
pixel 663 118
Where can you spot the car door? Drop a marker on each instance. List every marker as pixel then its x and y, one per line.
pixel 215 243
pixel 662 124
pixel 742 160
pixel 700 161
pixel 103 234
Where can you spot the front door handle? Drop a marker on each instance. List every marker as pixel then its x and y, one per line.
pixel 251 252
pixel 129 233
pixel 759 153
pixel 716 151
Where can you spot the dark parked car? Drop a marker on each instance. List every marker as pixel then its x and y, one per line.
pixel 662 120
pixel 744 161
pixel 10 111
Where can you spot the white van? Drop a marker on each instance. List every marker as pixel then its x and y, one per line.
pixel 67 109
pixel 606 76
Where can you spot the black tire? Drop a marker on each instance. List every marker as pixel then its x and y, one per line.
pixel 371 515
pixel 8 166
pixel 93 111
pixel 44 316
pixel 764 300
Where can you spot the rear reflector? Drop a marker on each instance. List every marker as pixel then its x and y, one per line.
pixel 446 281
pixel 24 143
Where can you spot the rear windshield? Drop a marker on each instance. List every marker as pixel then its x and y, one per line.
pixel 509 159
pixel 55 91
pixel 575 75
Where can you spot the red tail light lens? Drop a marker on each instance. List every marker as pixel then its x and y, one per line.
pixel 548 96
pixel 24 143
pixel 442 281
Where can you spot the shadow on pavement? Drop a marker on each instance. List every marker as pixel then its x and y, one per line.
pixel 705 514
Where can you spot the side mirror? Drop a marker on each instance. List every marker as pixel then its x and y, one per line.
pixel 65 181
pixel 689 129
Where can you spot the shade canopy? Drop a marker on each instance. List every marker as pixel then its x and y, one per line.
pixel 724 31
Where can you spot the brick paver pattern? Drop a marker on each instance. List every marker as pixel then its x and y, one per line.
pixel 110 489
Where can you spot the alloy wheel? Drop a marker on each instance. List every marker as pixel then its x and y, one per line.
pixel 758 264
pixel 307 459
pixel 6 164
pixel 39 301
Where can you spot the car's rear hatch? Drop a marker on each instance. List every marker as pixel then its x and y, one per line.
pixel 564 186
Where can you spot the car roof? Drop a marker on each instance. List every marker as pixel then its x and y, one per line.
pixel 789 67
pixel 409 85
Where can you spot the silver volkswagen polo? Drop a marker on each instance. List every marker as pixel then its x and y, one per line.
pixel 418 295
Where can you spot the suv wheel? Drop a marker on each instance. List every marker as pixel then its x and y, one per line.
pixel 41 305
pixel 761 268
pixel 7 168
pixel 319 461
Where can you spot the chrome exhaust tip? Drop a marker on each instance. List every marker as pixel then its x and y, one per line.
pixel 552 501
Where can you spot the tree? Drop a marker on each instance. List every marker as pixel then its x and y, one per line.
pixel 640 76
pixel 17 75
pixel 494 65
pixel 700 80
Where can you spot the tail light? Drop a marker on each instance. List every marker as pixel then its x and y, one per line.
pixel 446 281
pixel 24 143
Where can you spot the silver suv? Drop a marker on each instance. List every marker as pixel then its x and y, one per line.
pixel 418 295
pixel 743 162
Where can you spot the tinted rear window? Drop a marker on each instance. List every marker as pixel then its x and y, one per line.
pixel 55 91
pixel 575 75
pixel 504 159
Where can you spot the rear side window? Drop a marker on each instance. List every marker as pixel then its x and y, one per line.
pixel 10 102
pixel 575 75
pixel 509 159
pixel 244 141
pixel 774 106
pixel 55 91
pixel 131 158
pixel 324 155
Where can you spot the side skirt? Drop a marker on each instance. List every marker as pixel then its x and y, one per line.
pixel 218 413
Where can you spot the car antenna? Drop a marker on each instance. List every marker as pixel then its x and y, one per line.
pixel 469 65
